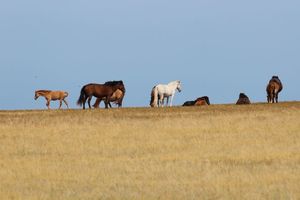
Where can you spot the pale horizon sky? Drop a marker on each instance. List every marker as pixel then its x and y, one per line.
pixel 216 48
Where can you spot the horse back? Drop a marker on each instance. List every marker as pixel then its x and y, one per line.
pixel 55 95
pixel 277 83
pixel 189 103
pixel 271 87
pixel 200 102
pixel 98 90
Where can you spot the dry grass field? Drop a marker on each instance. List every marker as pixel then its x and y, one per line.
pixel 213 152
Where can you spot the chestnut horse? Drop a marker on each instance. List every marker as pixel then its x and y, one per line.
pixel 52 96
pixel 116 97
pixel 99 91
pixel 202 101
pixel 273 88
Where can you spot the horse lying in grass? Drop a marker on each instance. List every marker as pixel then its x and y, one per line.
pixel 201 101
pixel 243 99
pixel 52 96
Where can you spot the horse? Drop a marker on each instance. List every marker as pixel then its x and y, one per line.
pixel 189 103
pixel 273 88
pixel 202 101
pixel 198 102
pixel 52 96
pixel 161 91
pixel 116 97
pixel 99 91
pixel 243 99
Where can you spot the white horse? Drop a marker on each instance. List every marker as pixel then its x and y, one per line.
pixel 160 91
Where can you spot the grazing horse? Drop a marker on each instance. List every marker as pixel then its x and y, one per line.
pixel 52 95
pixel 273 88
pixel 160 91
pixel 99 91
pixel 116 97
pixel 243 99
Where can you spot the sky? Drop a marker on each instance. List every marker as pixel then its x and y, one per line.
pixel 216 48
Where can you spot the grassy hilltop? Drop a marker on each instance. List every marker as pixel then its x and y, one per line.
pixel 217 151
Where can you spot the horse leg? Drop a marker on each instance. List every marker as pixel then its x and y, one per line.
pixel 89 101
pixel 276 97
pixel 48 104
pixel 97 103
pixel 60 103
pixel 273 97
pixel 161 100
pixel 107 102
pixel 66 103
pixel 120 102
pixel 167 101
pixel 83 102
pixel 109 105
pixel 171 102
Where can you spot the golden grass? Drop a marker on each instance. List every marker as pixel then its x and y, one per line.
pixel 213 152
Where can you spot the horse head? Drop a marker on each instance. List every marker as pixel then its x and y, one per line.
pixel 36 96
pixel 178 86
pixel 242 95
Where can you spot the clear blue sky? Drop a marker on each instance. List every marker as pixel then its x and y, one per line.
pixel 216 48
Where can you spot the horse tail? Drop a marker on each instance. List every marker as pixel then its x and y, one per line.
pixel 81 97
pixel 66 94
pixel 154 97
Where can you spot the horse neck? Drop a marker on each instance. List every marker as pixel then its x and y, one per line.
pixel 43 92
pixel 116 87
pixel 173 85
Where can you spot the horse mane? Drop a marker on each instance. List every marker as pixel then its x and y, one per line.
pixel 177 81
pixel 113 83
pixel 242 95
pixel 275 79
pixel 43 91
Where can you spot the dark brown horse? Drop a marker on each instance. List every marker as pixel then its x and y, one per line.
pixel 99 91
pixel 189 103
pixel 273 88
pixel 116 97
pixel 243 99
